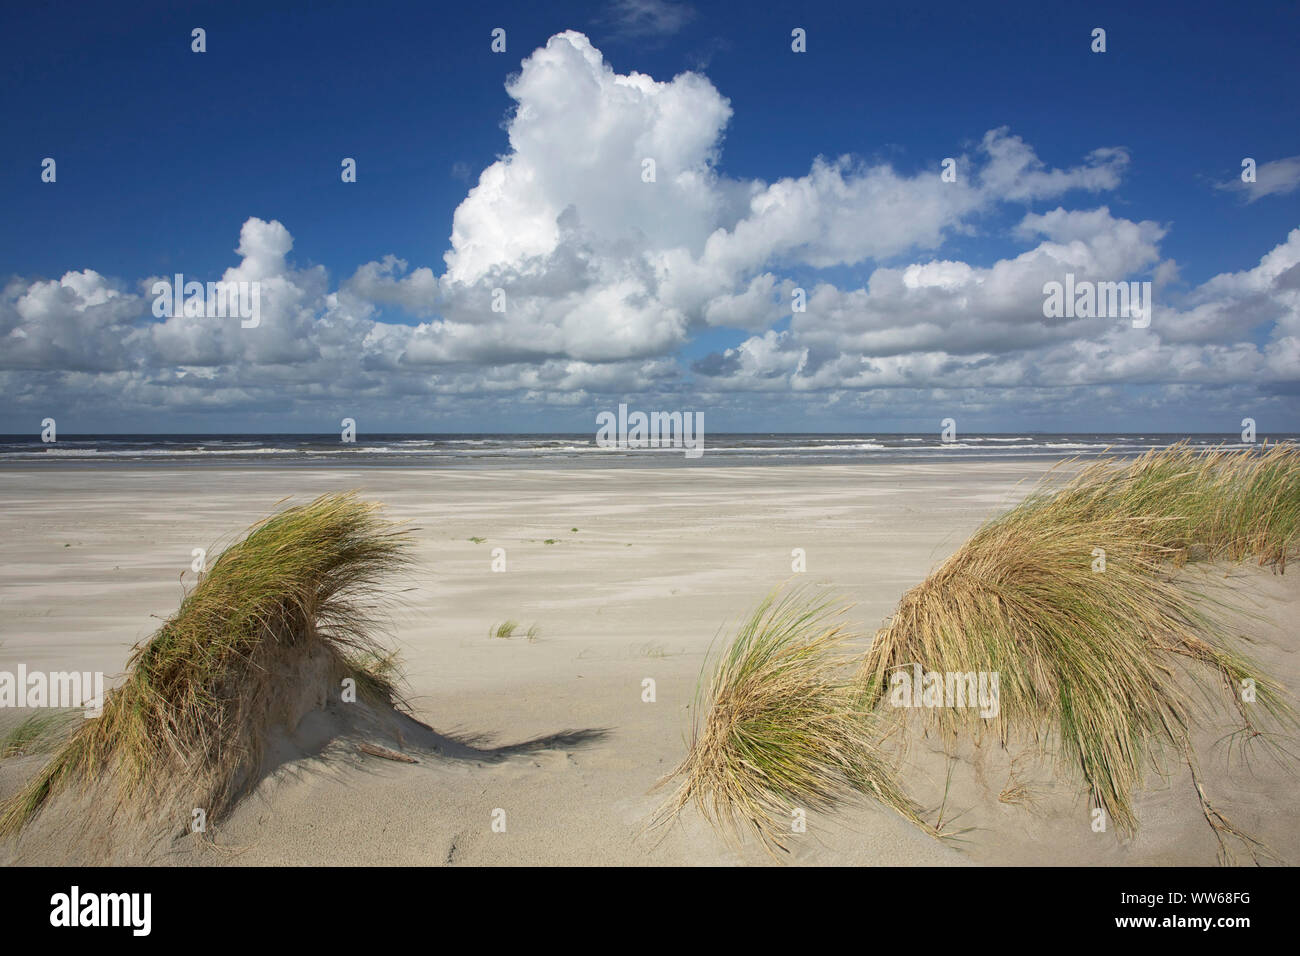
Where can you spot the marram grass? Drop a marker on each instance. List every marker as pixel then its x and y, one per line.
pixel 39 732
pixel 785 728
pixel 1113 666
pixel 1211 504
pixel 290 603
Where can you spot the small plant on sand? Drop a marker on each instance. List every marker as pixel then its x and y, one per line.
pixel 780 726
pixel 378 673
pixel 507 629
pixel 275 624
pixel 38 733
pixel 1102 654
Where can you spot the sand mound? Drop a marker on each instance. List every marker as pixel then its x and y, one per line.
pixel 277 629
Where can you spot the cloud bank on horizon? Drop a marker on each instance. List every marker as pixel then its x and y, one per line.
pixel 572 282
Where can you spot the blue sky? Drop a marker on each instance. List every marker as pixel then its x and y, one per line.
pixel 165 155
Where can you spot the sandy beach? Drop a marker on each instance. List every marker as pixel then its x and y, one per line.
pixel 554 731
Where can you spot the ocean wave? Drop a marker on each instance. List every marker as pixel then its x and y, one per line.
pixel 559 448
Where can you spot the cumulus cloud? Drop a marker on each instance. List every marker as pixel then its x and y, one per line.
pixel 388 282
pixel 600 263
pixel 572 272
pixel 80 322
pixel 948 324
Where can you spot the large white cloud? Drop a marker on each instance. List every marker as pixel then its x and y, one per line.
pixel 948 324
pixel 566 225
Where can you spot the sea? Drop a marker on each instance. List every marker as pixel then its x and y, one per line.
pixel 579 450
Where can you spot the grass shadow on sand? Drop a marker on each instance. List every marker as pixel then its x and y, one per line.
pixel 271 658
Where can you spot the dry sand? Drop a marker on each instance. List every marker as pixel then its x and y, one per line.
pixel 554 731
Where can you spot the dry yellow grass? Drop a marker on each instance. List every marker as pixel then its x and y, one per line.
pixel 292 602
pixel 1110 668
pixel 781 727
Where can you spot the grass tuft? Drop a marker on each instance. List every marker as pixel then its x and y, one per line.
pixel 785 728
pixel 280 617
pixel 39 732
pixel 1198 504
pixel 506 630
pixel 1115 666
